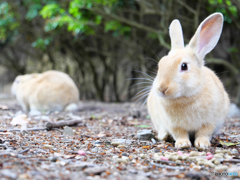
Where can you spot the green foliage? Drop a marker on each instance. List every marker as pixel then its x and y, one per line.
pixel 33 11
pixel 8 22
pixel 80 19
pixel 152 35
pixel 225 7
pixel 42 43
pixel 51 10
pixel 117 28
pixel 143 126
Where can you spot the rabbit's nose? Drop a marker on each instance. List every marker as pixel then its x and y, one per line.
pixel 163 90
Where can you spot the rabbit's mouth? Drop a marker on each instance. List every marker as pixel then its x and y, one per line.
pixel 167 93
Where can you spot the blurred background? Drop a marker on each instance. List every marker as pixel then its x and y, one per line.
pixel 106 45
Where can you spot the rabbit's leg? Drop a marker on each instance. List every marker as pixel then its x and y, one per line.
pixel 203 135
pixel 181 137
pixel 162 134
pixel 25 106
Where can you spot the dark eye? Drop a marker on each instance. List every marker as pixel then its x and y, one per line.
pixel 184 67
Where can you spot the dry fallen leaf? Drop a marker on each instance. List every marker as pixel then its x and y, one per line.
pixel 229 143
pixel 20 120
pixel 4 107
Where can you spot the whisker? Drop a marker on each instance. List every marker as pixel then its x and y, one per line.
pixel 147 88
pixel 151 59
pixel 137 88
pixel 141 83
pixel 153 72
pixel 142 99
pixel 139 96
pixel 144 103
pixel 148 48
pixel 142 95
pixel 141 78
pixel 145 74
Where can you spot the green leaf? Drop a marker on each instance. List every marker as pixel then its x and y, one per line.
pixel 228 143
pixel 33 11
pixel 143 126
pixel 148 117
pixel 42 43
pixel 49 10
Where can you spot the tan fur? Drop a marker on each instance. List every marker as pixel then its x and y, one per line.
pixel 49 91
pixel 193 100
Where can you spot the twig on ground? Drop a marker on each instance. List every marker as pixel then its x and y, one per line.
pixel 232 160
pixel 4 154
pixel 3 145
pixel 51 125
pixel 23 151
pixel 167 167
pixel 29 129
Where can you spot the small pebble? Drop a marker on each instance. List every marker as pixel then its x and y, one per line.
pixel 164 158
pixel 185 157
pixel 208 163
pixel 81 153
pixel 197 168
pixel 95 150
pixel 143 156
pixel 218 151
pixel 54 159
pixel 217 162
pixel 115 143
pixel 192 158
pixel 173 158
pixel 124 159
pixel 208 153
pixel 226 151
pixel 121 146
pixel 221 168
pixel 48 146
pixel 168 156
pixel 178 162
pixel 228 157
pixel 124 154
pixel 208 157
pixel 234 152
pixel 218 156
pixel 201 163
pixel 180 153
pixel 194 153
pixel 161 145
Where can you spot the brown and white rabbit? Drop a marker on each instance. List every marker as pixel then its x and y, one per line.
pixel 186 96
pixel 49 91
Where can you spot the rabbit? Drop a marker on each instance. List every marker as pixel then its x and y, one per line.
pixel 186 97
pixel 49 91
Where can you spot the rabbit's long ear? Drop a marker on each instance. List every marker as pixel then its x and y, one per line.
pixel 207 35
pixel 176 35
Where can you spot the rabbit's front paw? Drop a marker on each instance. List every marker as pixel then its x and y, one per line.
pixel 162 136
pixel 182 143
pixel 202 143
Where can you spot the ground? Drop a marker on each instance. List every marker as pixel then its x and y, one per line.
pixel 105 145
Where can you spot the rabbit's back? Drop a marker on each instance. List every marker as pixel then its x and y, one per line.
pixel 51 90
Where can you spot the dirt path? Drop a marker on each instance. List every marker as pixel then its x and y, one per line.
pixel 106 146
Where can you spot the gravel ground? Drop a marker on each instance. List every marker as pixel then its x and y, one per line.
pixel 111 141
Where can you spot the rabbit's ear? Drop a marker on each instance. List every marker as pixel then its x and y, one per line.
pixel 176 35
pixel 207 35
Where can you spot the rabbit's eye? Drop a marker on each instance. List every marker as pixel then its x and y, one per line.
pixel 184 67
